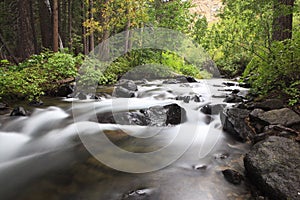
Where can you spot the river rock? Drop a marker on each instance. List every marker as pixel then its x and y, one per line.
pixel 269 104
pixel 234 122
pixel 175 114
pixel 284 116
pixel 233 98
pixel 18 111
pixel 160 116
pixel 128 84
pixel 123 92
pixel 3 108
pixel 273 166
pixel 213 109
pixel 232 176
pixel 81 96
pixel 64 90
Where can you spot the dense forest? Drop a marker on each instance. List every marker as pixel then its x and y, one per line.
pixel 43 43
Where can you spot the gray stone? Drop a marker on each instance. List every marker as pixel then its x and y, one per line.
pixel 232 176
pixel 18 111
pixel 213 109
pixel 234 122
pixel 284 116
pixel 160 116
pixel 269 104
pixel 273 166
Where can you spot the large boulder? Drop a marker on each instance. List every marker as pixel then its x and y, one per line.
pixel 160 116
pixel 234 121
pixel 273 166
pixel 268 104
pixel 284 116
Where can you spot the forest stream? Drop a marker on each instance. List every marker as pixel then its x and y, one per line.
pixel 46 156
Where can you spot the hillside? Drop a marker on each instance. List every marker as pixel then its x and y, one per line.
pixel 208 8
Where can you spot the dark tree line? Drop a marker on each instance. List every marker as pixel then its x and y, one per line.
pixel 29 26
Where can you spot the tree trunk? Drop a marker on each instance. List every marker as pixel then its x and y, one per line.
pixel 45 24
pixel 91 36
pixel 10 53
pixel 83 29
pixel 55 26
pixel 35 43
pixel 70 25
pixel 25 41
pixel 283 20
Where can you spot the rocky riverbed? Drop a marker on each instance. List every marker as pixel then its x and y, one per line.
pixel 225 167
pixel 273 130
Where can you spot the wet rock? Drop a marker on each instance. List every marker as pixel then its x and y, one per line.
pixel 234 122
pixel 171 81
pixel 197 98
pixel 18 111
pixel 36 103
pixel 233 98
pixel 221 156
pixel 269 104
pixel 273 166
pixel 190 79
pixel 123 118
pixel 200 167
pixel 64 90
pixel 123 92
pixel 284 116
pixel 128 84
pixel 187 99
pixel 232 176
pixel 138 194
pixel 213 109
pixel 245 85
pixel 95 97
pixel 3 108
pixel 229 84
pixel 175 114
pixel 154 116
pixel 81 96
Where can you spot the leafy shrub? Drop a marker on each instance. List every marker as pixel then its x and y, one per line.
pixel 36 75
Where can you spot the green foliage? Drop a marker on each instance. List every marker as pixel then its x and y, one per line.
pixel 36 75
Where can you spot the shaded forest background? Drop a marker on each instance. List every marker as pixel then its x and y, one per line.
pixel 43 42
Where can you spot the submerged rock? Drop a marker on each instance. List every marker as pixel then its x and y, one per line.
pixel 234 122
pixel 273 166
pixel 232 176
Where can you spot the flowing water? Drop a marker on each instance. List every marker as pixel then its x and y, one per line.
pixel 54 153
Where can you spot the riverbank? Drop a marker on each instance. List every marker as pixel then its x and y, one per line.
pixel 273 130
